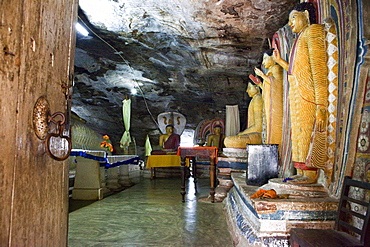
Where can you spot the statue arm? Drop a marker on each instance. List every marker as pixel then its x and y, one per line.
pixel 317 55
pixel 277 58
pixel 209 141
pixel 259 72
pixel 258 109
pixel 276 73
pixel 161 141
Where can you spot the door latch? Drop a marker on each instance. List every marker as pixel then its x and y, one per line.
pixel 51 128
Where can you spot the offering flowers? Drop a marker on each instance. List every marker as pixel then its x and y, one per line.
pixel 107 144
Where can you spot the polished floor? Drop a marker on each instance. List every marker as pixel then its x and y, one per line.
pixel 151 214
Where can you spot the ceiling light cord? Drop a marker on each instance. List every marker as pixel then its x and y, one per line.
pixel 127 63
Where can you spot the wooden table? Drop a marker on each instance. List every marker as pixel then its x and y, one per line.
pixel 192 153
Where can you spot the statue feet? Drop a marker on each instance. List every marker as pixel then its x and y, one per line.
pixel 302 180
pixel 304 177
pixel 296 176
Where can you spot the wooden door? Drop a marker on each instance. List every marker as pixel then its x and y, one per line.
pixel 37 42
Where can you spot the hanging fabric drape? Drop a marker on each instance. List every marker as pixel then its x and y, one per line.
pixel 232 126
pixel 126 113
pixel 148 146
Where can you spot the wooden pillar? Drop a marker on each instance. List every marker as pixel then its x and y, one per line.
pixel 37 42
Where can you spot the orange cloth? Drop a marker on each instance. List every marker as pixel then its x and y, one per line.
pixel 264 194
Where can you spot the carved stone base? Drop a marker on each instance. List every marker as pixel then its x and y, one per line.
pixel 267 222
pixel 296 190
pixel 235 153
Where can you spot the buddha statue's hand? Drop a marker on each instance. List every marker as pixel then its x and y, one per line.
pixel 258 72
pixel 276 55
pixel 321 118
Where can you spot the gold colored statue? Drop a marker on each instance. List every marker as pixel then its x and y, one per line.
pixel 272 94
pixel 168 142
pixel 216 139
pixel 308 93
pixel 253 133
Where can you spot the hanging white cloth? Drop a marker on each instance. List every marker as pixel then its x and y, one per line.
pixel 232 125
pixel 126 113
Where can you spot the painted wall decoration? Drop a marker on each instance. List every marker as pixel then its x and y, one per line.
pixel 361 169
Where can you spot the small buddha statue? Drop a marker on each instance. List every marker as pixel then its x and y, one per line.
pixel 253 133
pixel 168 142
pixel 216 139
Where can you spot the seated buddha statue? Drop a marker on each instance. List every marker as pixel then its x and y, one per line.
pixel 168 142
pixel 216 139
pixel 253 133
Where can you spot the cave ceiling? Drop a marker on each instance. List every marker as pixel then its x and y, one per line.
pixel 192 57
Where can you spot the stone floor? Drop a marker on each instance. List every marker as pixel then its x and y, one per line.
pixel 151 214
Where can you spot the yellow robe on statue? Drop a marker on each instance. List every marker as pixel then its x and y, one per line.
pixel 253 133
pixel 307 76
pixel 272 94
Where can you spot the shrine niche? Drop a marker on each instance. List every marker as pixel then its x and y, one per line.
pixel 206 128
pixel 172 125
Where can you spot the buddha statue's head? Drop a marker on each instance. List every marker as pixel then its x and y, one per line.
pixel 169 129
pixel 252 89
pixel 268 60
pixel 217 129
pixel 302 16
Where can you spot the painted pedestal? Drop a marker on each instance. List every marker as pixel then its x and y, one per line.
pixel 266 222
pixel 232 160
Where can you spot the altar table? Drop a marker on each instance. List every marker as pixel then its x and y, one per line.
pixel 98 174
pixel 163 161
pixel 192 153
pixel 156 160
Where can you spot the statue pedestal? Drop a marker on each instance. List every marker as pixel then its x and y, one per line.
pixel 266 222
pixel 235 153
pixel 129 175
pixel 123 176
pixel 296 190
pixel 103 181
pixel 232 160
